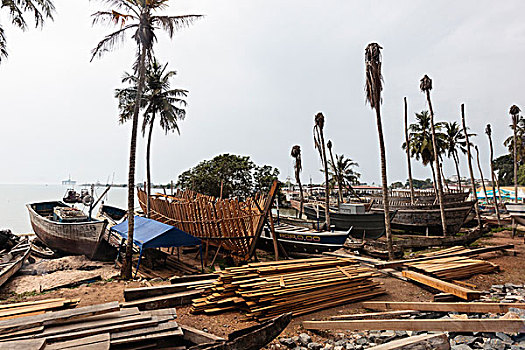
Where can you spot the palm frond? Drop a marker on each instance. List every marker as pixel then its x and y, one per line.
pixel 3 44
pixel 374 79
pixel 170 24
pixel 110 41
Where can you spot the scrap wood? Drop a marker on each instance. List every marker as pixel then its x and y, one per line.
pixel 462 307
pixel 442 325
pixel 459 291
pixel 453 267
pixel 146 292
pixel 163 301
pixel 426 341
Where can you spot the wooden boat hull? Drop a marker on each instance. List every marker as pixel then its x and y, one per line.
pixel 427 218
pixel 516 211
pixel 301 240
pixel 79 238
pixel 369 225
pixel 425 198
pixel 21 253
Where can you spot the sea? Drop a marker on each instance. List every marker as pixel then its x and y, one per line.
pixel 13 200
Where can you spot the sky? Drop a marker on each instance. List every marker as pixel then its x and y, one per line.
pixel 257 73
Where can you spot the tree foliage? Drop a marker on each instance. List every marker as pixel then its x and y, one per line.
pixel 240 177
pixel 421 184
pixel 504 167
pixel 420 138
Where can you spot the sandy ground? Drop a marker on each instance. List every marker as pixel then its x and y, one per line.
pixel 222 324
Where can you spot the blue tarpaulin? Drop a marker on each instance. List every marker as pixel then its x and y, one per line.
pixel 153 234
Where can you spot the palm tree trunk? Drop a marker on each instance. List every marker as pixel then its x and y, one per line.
pixel 148 167
pixel 434 178
pixel 481 173
pixel 496 207
pixel 410 182
pixel 472 181
pixel 456 162
pixel 386 204
pixel 438 170
pixel 128 261
pixel 443 177
pixel 338 179
pixel 327 195
pixel 515 154
pixel 301 197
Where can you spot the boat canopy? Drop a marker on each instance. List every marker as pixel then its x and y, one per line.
pixel 153 234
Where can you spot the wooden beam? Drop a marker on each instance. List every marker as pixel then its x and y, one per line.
pixel 197 336
pixel 447 325
pixel 265 212
pixel 461 292
pixel 462 307
pixel 375 315
pixel 148 292
pixel 426 341
pixel 164 301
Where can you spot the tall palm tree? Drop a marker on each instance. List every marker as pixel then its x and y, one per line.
pixel 488 131
pixel 344 168
pixel 454 140
pixel 471 172
pixel 410 182
pixel 514 111
pixel 373 88
pixel 40 9
pixel 137 17
pixel 336 173
pixel 298 167
pixel 320 145
pixel 480 171
pixel 158 99
pixel 426 86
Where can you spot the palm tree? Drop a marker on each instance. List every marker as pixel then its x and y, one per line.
pixel 373 88
pixel 488 131
pixel 480 171
pixel 138 18
pixel 337 177
pixel 158 99
pixel 298 167
pixel 41 10
pixel 420 141
pixel 426 86
pixel 454 140
pixel 320 145
pixel 344 172
pixel 410 182
pixel 514 112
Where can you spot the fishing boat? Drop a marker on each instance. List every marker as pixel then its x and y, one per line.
pixel 65 228
pixel 114 216
pixel 516 211
pixel 12 260
pixel 370 225
pixel 427 217
pixel 302 239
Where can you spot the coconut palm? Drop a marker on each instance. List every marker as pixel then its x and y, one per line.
pixel 320 145
pixel 520 140
pixel 420 140
pixel 298 167
pixel 40 9
pixel 410 182
pixel 373 88
pixel 337 177
pixel 343 171
pixel 158 100
pixel 454 141
pixel 514 111
pixel 426 86
pixel 488 131
pixel 138 18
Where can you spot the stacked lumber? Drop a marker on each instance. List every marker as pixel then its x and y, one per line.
pixel 103 325
pixel 454 267
pixel 30 308
pixel 301 286
pixel 455 249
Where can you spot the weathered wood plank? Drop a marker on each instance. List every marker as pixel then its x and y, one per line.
pixel 131 294
pixel 461 292
pixel 426 341
pixel 94 342
pixel 446 325
pixel 160 302
pixel 196 336
pixel 33 344
pixel 136 334
pixel 375 315
pixel 442 307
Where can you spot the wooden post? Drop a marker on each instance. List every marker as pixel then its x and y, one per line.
pixel 274 236
pixel 264 214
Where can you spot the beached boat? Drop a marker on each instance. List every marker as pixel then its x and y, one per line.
pixel 423 197
pixel 303 240
pixel 12 260
pixel 516 211
pixel 370 225
pixel 427 217
pixel 113 216
pixel 66 229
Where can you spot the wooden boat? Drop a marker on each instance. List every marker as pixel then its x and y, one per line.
pixel 369 225
pixel 427 217
pixel 516 211
pixel 423 197
pixel 251 338
pixel 12 261
pixel 228 223
pixel 71 233
pixel 303 240
pixel 113 216
pixel 39 250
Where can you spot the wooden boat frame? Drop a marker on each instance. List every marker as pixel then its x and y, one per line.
pixel 7 270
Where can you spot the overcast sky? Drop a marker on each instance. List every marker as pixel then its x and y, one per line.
pixel 258 71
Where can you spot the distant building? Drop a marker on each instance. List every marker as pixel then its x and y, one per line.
pixel 69 182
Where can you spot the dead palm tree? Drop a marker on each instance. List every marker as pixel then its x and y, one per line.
pixel 320 145
pixel 373 88
pixel 40 9
pixel 426 86
pixel 410 182
pixel 137 17
pixel 514 112
pixel 336 173
pixel 298 167
pixel 488 131
pixel 480 171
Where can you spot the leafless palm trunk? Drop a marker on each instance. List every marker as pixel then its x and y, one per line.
pixel 481 172
pixel 438 169
pixel 443 177
pixel 128 261
pixel 327 190
pixel 148 166
pixel 515 157
pixel 472 180
pixel 456 162
pixel 434 178
pixel 410 182
pixel 337 175
pixel 496 204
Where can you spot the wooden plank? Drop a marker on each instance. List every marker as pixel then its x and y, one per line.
pixel 33 344
pixel 442 307
pixel 196 336
pixel 160 302
pixel 138 334
pixel 31 309
pixel 94 342
pixel 147 337
pixel 148 292
pixel 30 303
pixel 461 292
pixel 57 317
pixel 426 341
pixel 446 325
pixel 375 315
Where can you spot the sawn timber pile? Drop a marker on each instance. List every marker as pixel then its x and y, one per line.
pixel 451 268
pixel 301 286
